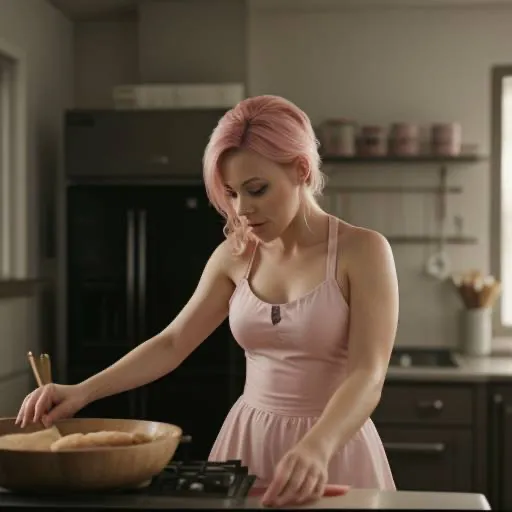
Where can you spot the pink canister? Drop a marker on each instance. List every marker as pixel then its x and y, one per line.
pixel 338 137
pixel 446 139
pixel 404 139
pixel 372 141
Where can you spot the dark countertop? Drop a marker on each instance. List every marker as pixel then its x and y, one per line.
pixel 354 499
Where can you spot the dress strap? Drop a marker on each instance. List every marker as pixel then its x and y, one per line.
pixel 249 266
pixel 332 248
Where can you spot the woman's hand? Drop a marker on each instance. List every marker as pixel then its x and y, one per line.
pixel 300 476
pixel 50 403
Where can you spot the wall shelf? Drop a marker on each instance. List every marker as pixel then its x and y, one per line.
pixel 11 288
pixel 349 189
pixel 420 159
pixel 441 191
pixel 425 240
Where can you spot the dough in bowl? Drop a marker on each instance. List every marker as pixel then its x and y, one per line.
pixel 41 440
pixel 104 438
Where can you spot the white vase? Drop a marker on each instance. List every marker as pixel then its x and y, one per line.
pixel 476 331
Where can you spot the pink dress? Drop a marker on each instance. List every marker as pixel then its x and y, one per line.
pixel 296 356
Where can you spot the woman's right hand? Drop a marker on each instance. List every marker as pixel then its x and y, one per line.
pixel 50 403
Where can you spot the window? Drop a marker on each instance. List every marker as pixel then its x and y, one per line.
pixel 501 195
pixel 6 162
pixel 506 203
pixel 13 183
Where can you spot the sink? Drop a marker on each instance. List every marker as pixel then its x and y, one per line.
pixel 423 357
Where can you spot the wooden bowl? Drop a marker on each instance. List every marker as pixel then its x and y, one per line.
pixel 93 469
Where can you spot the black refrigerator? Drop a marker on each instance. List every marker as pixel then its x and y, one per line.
pixel 135 254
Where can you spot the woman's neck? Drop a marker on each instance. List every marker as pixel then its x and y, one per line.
pixel 309 227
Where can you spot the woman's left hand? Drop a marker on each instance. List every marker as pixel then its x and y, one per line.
pixel 300 476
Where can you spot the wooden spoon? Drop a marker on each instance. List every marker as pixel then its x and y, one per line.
pixel 42 376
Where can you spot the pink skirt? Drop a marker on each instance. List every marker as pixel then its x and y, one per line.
pixel 260 438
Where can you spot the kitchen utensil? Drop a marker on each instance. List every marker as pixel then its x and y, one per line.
pixel 475 290
pixel 91 469
pixel 43 375
pixel 438 264
pixel 46 368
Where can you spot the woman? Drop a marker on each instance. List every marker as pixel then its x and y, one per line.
pixel 313 301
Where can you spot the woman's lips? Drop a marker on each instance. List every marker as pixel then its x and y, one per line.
pixel 257 226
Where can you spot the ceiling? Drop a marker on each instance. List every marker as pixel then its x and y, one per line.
pixel 100 9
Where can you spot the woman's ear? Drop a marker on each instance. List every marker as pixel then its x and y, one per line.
pixel 303 171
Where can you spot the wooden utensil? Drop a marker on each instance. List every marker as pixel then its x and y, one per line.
pixel 476 290
pixel 43 375
pixel 45 368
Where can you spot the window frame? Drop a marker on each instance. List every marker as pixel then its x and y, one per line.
pixel 14 273
pixel 499 73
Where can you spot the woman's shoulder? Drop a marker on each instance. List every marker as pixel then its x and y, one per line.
pixel 233 259
pixel 359 242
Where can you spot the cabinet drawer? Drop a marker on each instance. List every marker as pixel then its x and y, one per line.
pixel 438 460
pixel 426 404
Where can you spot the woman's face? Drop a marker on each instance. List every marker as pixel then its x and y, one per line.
pixel 265 194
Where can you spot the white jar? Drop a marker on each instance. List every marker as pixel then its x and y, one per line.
pixel 476 331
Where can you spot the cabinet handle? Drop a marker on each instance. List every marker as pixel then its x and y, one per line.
pixel 415 447
pixel 130 276
pixel 159 160
pixel 437 405
pixel 497 411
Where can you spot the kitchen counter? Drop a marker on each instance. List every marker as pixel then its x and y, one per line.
pixel 372 499
pixel 354 499
pixel 469 369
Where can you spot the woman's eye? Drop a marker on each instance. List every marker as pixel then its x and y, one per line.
pixel 258 192
pixel 230 194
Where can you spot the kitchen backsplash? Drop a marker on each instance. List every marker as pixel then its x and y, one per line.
pixel 429 310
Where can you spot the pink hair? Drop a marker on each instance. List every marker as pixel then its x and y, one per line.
pixel 274 128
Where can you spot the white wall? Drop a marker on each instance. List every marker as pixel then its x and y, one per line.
pixel 376 65
pixel 107 53
pixel 193 41
pixel 45 37
pixel 385 65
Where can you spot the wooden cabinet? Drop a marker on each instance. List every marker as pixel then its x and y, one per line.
pixel 426 404
pixel 429 459
pixel 428 433
pixel 110 144
pixel 500 446
pixel 198 403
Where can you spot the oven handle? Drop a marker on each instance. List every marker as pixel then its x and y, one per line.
pixel 405 447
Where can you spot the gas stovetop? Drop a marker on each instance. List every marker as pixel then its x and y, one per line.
pixel 201 479
pixel 182 484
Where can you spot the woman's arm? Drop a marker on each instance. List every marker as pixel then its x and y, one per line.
pixel 154 358
pixel 372 329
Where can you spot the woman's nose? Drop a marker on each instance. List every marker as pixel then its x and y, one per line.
pixel 244 207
